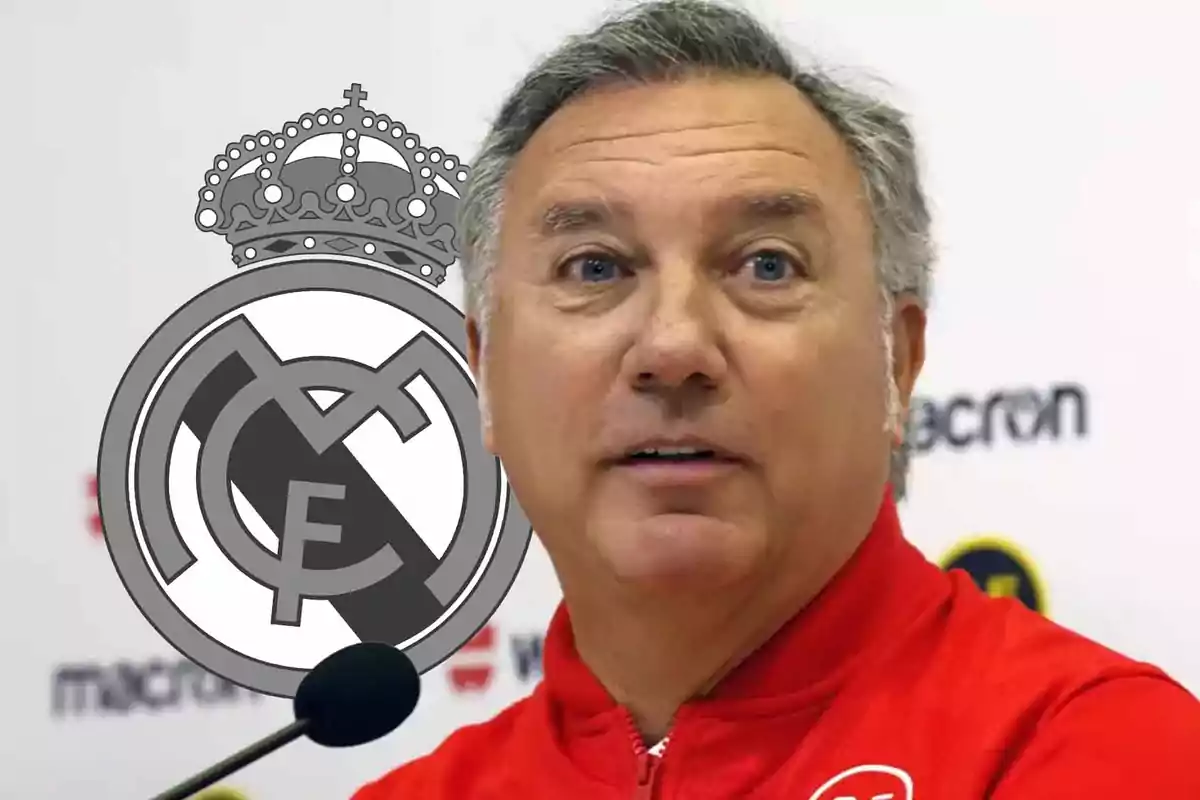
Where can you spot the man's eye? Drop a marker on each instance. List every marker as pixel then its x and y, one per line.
pixel 594 268
pixel 771 266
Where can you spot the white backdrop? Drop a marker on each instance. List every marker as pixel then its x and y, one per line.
pixel 1063 172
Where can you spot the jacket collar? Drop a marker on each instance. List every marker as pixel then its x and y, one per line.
pixel 881 589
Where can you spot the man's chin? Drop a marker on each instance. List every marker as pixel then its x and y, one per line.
pixel 672 551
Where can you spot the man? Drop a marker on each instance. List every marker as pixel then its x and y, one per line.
pixel 697 280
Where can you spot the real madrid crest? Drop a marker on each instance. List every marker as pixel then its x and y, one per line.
pixel 293 462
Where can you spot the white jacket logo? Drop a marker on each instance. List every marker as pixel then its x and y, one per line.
pixel 867 782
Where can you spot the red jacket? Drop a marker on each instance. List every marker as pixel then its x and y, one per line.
pixel 900 681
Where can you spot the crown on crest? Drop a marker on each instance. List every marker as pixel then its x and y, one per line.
pixel 342 182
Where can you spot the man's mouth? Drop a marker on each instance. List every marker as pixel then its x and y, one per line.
pixel 667 455
pixel 670 465
pixel 672 455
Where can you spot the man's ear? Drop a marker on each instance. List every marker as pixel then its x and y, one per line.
pixel 475 360
pixel 908 336
pixel 474 348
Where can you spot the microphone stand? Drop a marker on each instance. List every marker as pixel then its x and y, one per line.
pixel 242 758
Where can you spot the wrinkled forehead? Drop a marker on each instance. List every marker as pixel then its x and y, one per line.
pixel 683 152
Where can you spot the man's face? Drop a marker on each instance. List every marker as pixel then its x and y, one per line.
pixel 688 268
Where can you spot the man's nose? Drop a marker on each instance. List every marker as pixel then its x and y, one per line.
pixel 680 345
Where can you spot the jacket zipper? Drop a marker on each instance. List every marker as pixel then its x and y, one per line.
pixel 647 764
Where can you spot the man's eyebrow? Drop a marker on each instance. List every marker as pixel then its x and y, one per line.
pixel 757 208
pixel 578 215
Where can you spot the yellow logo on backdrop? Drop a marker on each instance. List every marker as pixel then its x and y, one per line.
pixel 1000 568
pixel 222 793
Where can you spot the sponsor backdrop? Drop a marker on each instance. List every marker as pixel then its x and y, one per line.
pixel 1053 441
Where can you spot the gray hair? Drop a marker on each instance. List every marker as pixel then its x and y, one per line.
pixel 669 39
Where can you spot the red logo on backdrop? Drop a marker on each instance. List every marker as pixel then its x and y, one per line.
pixel 93 518
pixel 472 667
pixel 868 782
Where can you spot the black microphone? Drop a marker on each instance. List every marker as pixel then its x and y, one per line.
pixel 354 696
